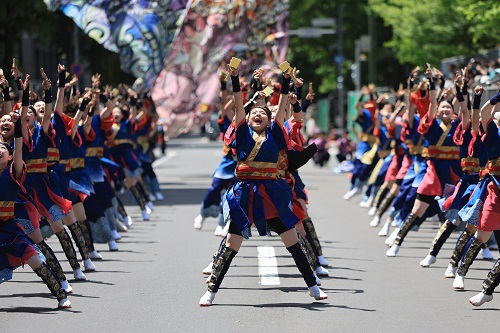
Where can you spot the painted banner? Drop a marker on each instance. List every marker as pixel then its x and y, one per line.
pixel 141 31
pixel 214 31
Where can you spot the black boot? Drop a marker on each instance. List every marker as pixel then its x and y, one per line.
pixel 308 252
pixel 380 197
pixel 52 261
pixel 312 236
pixel 143 191
pixel 218 253
pixel 492 280
pixel 87 235
pixel 51 282
pixel 384 206
pixel 220 266
pixel 474 246
pixel 77 234
pixel 302 264
pixel 460 246
pixel 443 234
pixel 69 250
pixel 138 197
pixel 120 208
pixel 410 222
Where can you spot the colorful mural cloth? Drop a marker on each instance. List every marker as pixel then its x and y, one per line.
pixel 141 31
pixel 213 32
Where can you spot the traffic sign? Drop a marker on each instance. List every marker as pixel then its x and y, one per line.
pixel 77 69
pixel 323 22
pixel 310 32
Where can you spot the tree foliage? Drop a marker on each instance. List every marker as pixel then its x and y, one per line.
pixel 483 18
pixel 429 30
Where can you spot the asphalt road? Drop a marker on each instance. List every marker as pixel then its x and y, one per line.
pixel 154 282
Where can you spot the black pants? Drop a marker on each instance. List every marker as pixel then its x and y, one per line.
pixel 275 223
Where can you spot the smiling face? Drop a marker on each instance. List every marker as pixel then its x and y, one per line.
pixel 6 128
pixel 5 156
pixel 258 120
pixel 117 115
pixel 40 110
pixel 445 112
pixel 30 118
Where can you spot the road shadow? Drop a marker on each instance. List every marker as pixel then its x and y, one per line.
pixel 314 306
pixel 178 195
pixel 36 310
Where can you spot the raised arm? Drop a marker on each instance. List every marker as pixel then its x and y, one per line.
pixel 478 92
pixel 108 103
pixel 297 84
pixel 237 96
pixel 298 114
pixel 487 109
pixel 460 83
pixel 358 105
pixel 47 97
pixel 283 101
pixel 399 110
pixel 61 85
pixel 92 109
pixel 84 105
pixel 25 102
pixel 433 106
pixel 7 103
pixel 18 148
pixel 224 96
pixel 16 74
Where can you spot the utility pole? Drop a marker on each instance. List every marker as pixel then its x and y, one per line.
pixel 372 68
pixel 356 67
pixel 339 60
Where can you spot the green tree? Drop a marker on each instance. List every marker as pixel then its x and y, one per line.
pixel 425 30
pixel 482 17
pixel 315 56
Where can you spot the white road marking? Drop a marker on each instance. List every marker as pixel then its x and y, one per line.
pixel 163 159
pixel 268 266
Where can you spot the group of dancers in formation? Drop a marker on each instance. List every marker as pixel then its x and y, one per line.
pixel 61 164
pixel 435 151
pixel 257 183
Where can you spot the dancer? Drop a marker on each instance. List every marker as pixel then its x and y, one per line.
pixel 405 186
pixel 259 142
pixel 121 144
pixel 473 157
pixel 485 212
pixel 16 248
pixel 443 167
pixel 366 151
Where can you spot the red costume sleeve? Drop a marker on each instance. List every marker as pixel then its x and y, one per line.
pixel 77 140
pixel 230 134
pixel 68 123
pixel 425 124
pixel 107 123
pixel 90 136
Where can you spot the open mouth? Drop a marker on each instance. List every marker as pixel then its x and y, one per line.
pixel 257 120
pixel 5 128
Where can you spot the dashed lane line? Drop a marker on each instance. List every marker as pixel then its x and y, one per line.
pixel 268 266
